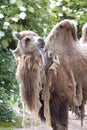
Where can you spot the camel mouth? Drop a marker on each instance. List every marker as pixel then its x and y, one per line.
pixel 41 43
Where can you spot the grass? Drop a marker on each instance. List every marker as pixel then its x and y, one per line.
pixel 6 126
pixel 17 124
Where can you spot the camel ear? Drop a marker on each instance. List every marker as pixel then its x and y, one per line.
pixel 17 35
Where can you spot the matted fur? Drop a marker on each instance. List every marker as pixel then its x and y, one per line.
pixel 83 39
pixel 30 75
pixel 68 80
pixel 30 72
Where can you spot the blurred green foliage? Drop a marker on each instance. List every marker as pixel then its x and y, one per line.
pixel 8 87
pixel 39 16
pixel 71 9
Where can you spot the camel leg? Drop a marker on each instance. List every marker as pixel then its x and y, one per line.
pixel 41 110
pixel 82 110
pixel 59 113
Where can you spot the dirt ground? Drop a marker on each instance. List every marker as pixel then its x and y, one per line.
pixel 74 124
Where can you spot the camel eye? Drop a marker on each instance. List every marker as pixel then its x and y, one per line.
pixel 61 26
pixel 27 39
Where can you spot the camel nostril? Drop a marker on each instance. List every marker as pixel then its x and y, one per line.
pixel 41 43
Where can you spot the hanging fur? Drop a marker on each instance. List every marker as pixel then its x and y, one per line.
pixel 30 76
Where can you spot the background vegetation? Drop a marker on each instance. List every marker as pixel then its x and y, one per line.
pixel 39 16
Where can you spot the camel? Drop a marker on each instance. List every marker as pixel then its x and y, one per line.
pixel 66 75
pixel 30 72
pixel 50 88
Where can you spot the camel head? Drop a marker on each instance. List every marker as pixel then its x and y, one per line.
pixel 28 42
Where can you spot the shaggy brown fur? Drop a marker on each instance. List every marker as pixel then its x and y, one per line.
pixel 66 81
pixel 83 39
pixel 30 73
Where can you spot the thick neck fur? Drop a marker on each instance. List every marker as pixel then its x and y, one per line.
pixel 29 74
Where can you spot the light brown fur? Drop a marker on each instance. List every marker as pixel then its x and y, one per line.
pixel 70 81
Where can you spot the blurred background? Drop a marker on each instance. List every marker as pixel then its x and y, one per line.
pixel 36 15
